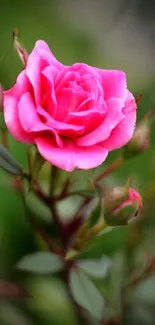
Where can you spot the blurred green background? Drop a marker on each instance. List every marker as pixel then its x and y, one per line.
pixel 114 34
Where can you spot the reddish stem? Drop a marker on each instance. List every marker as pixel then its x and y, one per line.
pixel 110 169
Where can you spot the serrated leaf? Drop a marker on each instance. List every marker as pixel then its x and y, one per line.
pixel 95 215
pixel 97 269
pixel 8 163
pixel 41 262
pixel 85 293
pixel 108 243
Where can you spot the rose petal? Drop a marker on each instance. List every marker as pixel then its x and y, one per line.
pixel 70 156
pixel 113 116
pixel 42 49
pixel 30 120
pixel 123 132
pixel 11 101
pixel 61 127
pixel 85 119
pixel 113 83
pixel 40 57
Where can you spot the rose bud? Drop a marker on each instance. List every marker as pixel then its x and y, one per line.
pixel 121 205
pixel 140 140
pixel 18 45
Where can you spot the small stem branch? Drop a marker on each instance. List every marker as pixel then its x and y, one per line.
pixel 4 138
pixel 116 164
pixel 81 241
pixel 53 179
pixel 57 221
pixel 41 231
pixel 110 169
pixel 18 185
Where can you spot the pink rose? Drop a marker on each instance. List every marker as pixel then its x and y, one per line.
pixel 74 114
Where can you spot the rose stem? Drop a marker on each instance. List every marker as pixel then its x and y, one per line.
pixel 37 228
pixel 80 241
pixel 110 169
pixel 52 205
pixel 4 137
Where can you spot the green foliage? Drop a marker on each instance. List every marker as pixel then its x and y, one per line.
pixel 108 243
pixel 85 293
pixel 8 163
pixel 95 268
pixel 41 262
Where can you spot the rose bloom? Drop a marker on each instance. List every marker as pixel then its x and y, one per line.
pixel 74 114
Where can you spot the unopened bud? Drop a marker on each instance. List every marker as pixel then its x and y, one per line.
pixel 140 140
pixel 121 205
pixel 19 46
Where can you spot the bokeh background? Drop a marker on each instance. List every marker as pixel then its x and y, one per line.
pixel 114 34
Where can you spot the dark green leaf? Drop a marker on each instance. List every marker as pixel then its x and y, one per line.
pixel 8 163
pixel 108 243
pixel 41 262
pixel 85 293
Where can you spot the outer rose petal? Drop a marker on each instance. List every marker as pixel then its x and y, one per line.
pixel 124 130
pixel 11 101
pixel 113 83
pixel 30 121
pixel 70 156
pixel 38 60
pixel 41 49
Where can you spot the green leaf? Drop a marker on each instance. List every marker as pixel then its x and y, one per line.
pixel 95 215
pixel 41 262
pixel 97 269
pixel 108 243
pixel 85 293
pixel 8 163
